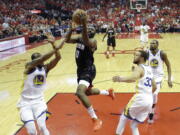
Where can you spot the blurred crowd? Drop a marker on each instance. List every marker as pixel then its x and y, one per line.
pixel 36 18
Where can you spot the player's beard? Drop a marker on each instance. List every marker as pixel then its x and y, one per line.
pixel 152 49
pixel 91 35
pixel 40 65
pixel 136 62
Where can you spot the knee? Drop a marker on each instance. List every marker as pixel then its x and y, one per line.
pixel 88 93
pixel 133 125
pixel 80 92
pixel 41 126
pixel 31 130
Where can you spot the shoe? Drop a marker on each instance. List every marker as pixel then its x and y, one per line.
pixel 113 54
pixel 97 124
pixel 150 120
pixel 111 93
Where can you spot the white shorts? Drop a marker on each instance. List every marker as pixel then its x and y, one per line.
pixel 144 38
pixel 139 107
pixel 84 82
pixel 31 109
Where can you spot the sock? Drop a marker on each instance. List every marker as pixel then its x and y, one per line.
pixel 104 92
pixel 121 125
pixel 91 112
pixel 107 52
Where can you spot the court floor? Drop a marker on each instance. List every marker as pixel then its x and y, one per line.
pixel 62 79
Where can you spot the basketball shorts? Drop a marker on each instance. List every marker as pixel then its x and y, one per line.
pixel 31 109
pixel 111 42
pixel 139 107
pixel 86 76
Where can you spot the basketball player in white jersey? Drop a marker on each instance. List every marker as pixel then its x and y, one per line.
pixel 156 59
pixel 140 104
pixel 144 28
pixel 32 106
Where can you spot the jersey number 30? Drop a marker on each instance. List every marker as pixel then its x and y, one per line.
pixel 148 82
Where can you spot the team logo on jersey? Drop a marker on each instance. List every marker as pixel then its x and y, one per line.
pixel 154 63
pixel 38 80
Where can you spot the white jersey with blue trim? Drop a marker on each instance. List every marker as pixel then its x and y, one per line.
pixel 144 85
pixel 156 64
pixel 34 84
pixel 144 30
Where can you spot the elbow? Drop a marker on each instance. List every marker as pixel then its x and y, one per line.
pixel 59 57
pixel 67 40
pixel 131 81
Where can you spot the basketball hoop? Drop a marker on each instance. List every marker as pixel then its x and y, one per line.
pixel 138 4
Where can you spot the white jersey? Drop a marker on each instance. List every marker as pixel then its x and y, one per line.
pixel 140 104
pixel 156 64
pixel 144 30
pixel 34 84
pixel 144 85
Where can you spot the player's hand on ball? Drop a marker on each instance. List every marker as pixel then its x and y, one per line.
pixel 83 19
pixel 116 79
pixel 79 16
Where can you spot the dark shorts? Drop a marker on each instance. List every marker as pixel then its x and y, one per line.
pixel 88 74
pixel 111 42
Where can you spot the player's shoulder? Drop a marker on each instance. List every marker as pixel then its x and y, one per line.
pixel 163 54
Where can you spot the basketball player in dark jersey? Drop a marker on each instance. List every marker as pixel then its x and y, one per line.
pixel 86 70
pixel 111 41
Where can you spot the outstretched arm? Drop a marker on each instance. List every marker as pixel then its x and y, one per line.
pixel 30 65
pixel 85 37
pixel 68 37
pixel 136 74
pixel 54 61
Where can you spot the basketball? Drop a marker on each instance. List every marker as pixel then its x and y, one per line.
pixel 77 14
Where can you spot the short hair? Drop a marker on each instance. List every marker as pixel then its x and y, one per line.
pixel 144 54
pixel 35 55
pixel 156 41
